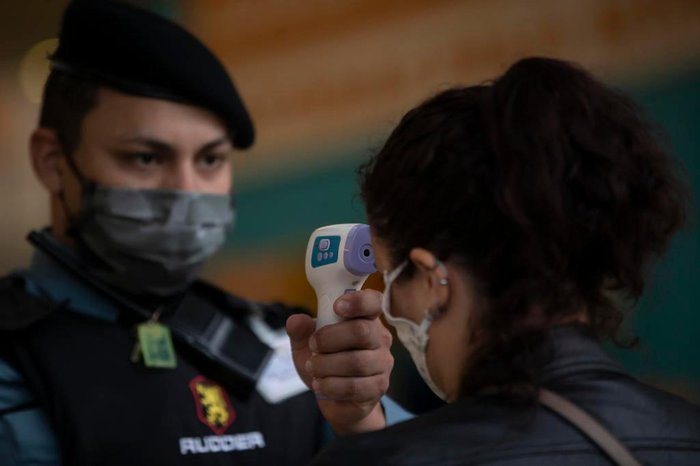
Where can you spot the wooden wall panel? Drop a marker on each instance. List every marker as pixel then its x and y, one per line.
pixel 318 72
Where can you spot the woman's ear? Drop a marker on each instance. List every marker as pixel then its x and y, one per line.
pixel 426 262
pixel 46 153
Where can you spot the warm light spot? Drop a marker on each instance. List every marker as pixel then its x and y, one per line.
pixel 34 69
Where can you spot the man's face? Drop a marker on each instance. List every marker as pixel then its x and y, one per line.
pixel 146 143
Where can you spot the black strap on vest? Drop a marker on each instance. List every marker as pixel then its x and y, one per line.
pixel 216 340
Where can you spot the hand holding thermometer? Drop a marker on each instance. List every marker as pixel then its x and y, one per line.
pixel 339 258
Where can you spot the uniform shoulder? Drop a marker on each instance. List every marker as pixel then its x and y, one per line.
pixel 18 308
pixel 13 390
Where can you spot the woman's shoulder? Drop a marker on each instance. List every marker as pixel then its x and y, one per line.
pixel 457 430
pixel 487 430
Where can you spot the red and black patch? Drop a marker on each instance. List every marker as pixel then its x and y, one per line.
pixel 214 408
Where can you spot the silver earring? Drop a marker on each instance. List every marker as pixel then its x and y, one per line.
pixel 443 280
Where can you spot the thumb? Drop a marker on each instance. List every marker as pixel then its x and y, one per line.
pixel 300 327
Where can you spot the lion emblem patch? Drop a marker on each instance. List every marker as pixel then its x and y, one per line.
pixel 213 405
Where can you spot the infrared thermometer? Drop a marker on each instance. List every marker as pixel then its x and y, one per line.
pixel 339 258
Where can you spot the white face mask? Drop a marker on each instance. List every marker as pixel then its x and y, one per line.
pixel 413 336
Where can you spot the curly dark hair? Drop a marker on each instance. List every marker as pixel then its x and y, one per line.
pixel 551 189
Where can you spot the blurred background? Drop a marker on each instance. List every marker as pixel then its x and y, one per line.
pixel 326 80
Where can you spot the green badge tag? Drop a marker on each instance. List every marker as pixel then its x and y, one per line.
pixel 156 345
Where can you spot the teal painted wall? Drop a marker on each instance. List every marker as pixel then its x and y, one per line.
pixel 668 317
pixel 287 210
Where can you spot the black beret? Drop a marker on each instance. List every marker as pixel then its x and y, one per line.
pixel 138 52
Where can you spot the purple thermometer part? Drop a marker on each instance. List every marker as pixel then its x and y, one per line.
pixel 359 254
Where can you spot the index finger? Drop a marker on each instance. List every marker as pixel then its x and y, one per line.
pixel 363 303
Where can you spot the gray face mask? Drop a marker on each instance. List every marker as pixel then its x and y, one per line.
pixel 152 241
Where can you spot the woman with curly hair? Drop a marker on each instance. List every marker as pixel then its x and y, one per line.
pixel 515 223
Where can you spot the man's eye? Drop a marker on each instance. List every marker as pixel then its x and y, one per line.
pixel 145 158
pixel 212 160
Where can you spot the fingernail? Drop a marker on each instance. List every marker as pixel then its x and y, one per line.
pixel 312 345
pixel 308 366
pixel 342 307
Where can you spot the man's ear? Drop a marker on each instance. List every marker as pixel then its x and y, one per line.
pixel 46 152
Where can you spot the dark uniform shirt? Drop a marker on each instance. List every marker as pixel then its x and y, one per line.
pixel 78 398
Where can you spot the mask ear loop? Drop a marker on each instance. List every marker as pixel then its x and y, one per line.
pixel 87 188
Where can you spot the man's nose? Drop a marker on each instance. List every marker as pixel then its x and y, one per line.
pixel 182 178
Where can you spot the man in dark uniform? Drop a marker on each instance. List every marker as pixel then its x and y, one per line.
pixel 111 350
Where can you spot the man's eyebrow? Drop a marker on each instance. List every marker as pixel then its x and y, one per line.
pixel 152 143
pixel 163 146
pixel 215 143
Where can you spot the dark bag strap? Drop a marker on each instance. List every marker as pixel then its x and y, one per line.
pixel 591 428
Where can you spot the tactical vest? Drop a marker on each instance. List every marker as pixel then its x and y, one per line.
pixel 106 410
